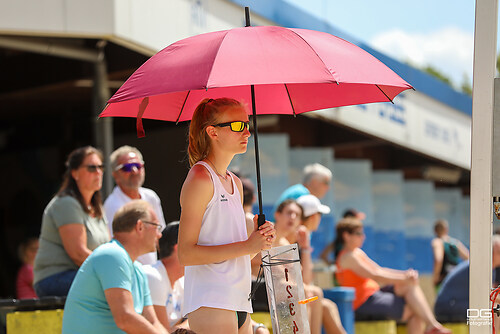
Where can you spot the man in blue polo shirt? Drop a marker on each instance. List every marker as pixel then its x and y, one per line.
pixel 110 293
pixel 316 181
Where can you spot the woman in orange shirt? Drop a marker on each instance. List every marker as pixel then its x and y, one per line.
pixel 400 298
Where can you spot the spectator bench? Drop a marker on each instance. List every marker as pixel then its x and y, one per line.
pixel 40 322
pixel 41 316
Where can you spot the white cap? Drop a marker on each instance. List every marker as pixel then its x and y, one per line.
pixel 311 205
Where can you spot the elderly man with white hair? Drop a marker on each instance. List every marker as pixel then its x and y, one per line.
pixel 316 181
pixel 129 173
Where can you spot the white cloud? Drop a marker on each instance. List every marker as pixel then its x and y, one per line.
pixel 450 50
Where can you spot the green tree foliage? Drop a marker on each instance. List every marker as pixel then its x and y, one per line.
pixel 437 74
pixel 466 86
pixel 498 64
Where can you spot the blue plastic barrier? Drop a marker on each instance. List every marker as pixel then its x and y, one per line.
pixel 343 297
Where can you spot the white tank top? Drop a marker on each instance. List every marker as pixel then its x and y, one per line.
pixel 226 284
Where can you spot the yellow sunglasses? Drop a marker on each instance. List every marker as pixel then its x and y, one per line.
pixel 236 126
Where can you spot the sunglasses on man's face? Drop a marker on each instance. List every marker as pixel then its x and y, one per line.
pixel 127 168
pixel 236 126
pixel 94 168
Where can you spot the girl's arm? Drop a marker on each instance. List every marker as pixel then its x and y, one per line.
pixel 356 261
pixel 195 196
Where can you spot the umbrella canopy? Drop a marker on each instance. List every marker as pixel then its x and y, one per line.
pixel 274 70
pixel 292 71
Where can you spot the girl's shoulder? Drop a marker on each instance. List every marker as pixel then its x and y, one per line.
pixel 198 184
pixel 199 173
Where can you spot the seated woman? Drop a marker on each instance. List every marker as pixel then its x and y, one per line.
pixel 73 224
pixel 401 297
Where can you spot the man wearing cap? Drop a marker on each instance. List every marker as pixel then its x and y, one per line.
pixel 316 181
pixel 312 209
pixel 128 171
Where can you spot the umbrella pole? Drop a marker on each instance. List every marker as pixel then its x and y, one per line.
pixel 262 218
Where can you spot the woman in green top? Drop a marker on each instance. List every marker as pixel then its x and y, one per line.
pixel 73 224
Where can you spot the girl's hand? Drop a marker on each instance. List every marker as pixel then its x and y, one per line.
pixel 266 229
pixel 263 237
pixel 303 237
pixel 257 242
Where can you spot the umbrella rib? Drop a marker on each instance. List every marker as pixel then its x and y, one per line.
pixel 182 108
pixel 215 57
pixel 291 103
pixel 384 94
pixel 317 55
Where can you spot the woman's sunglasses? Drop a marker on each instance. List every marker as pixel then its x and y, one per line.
pixel 127 168
pixel 236 126
pixel 94 168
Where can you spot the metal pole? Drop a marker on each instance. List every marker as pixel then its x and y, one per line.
pixel 103 128
pixel 261 218
pixel 485 33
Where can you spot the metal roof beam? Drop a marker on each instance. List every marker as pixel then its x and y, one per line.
pixel 50 49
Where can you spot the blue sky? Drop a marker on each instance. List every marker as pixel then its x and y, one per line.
pixel 438 32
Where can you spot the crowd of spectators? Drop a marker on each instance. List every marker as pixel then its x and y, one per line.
pixel 87 251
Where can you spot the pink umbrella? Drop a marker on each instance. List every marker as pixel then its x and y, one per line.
pixel 292 70
pixel 274 70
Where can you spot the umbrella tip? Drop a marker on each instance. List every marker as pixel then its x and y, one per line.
pixel 247 17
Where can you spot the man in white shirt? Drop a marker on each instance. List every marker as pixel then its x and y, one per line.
pixel 166 280
pixel 128 171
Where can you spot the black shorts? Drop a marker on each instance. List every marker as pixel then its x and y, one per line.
pixel 382 305
pixel 242 317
